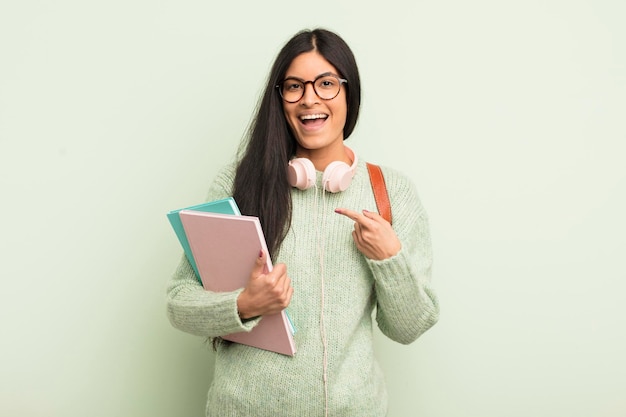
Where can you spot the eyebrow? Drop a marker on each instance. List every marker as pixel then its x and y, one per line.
pixel 324 74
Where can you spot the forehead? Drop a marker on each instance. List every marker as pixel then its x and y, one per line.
pixel 309 65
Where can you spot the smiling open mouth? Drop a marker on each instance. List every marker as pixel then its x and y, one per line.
pixel 313 119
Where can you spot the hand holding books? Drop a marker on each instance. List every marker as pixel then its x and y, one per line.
pixel 266 292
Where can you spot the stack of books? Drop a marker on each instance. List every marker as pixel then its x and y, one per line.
pixel 222 246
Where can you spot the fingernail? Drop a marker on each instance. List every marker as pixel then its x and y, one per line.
pixel 261 253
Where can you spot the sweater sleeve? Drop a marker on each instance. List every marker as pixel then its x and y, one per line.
pixel 190 307
pixel 407 306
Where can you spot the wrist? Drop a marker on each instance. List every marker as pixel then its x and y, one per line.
pixel 243 306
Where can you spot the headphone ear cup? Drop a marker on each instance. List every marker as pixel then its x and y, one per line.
pixel 301 173
pixel 337 176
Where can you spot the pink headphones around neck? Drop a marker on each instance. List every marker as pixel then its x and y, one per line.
pixel 337 175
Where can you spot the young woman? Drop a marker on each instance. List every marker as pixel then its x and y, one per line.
pixel 336 260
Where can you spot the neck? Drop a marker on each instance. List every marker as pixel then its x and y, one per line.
pixel 321 158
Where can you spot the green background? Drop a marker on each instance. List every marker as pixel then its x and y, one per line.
pixel 508 115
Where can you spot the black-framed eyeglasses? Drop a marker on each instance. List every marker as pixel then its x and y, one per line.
pixel 327 86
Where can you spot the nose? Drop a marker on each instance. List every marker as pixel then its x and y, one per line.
pixel 309 96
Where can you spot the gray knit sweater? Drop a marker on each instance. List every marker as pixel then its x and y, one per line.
pixel 258 383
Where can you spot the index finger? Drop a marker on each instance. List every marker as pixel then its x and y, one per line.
pixel 354 215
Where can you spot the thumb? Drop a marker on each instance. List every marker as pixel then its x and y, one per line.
pixel 259 265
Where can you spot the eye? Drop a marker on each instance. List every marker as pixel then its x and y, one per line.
pixel 327 83
pixel 292 85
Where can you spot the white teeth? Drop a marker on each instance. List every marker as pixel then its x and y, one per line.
pixel 313 116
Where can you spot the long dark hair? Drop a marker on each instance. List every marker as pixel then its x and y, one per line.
pixel 261 187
